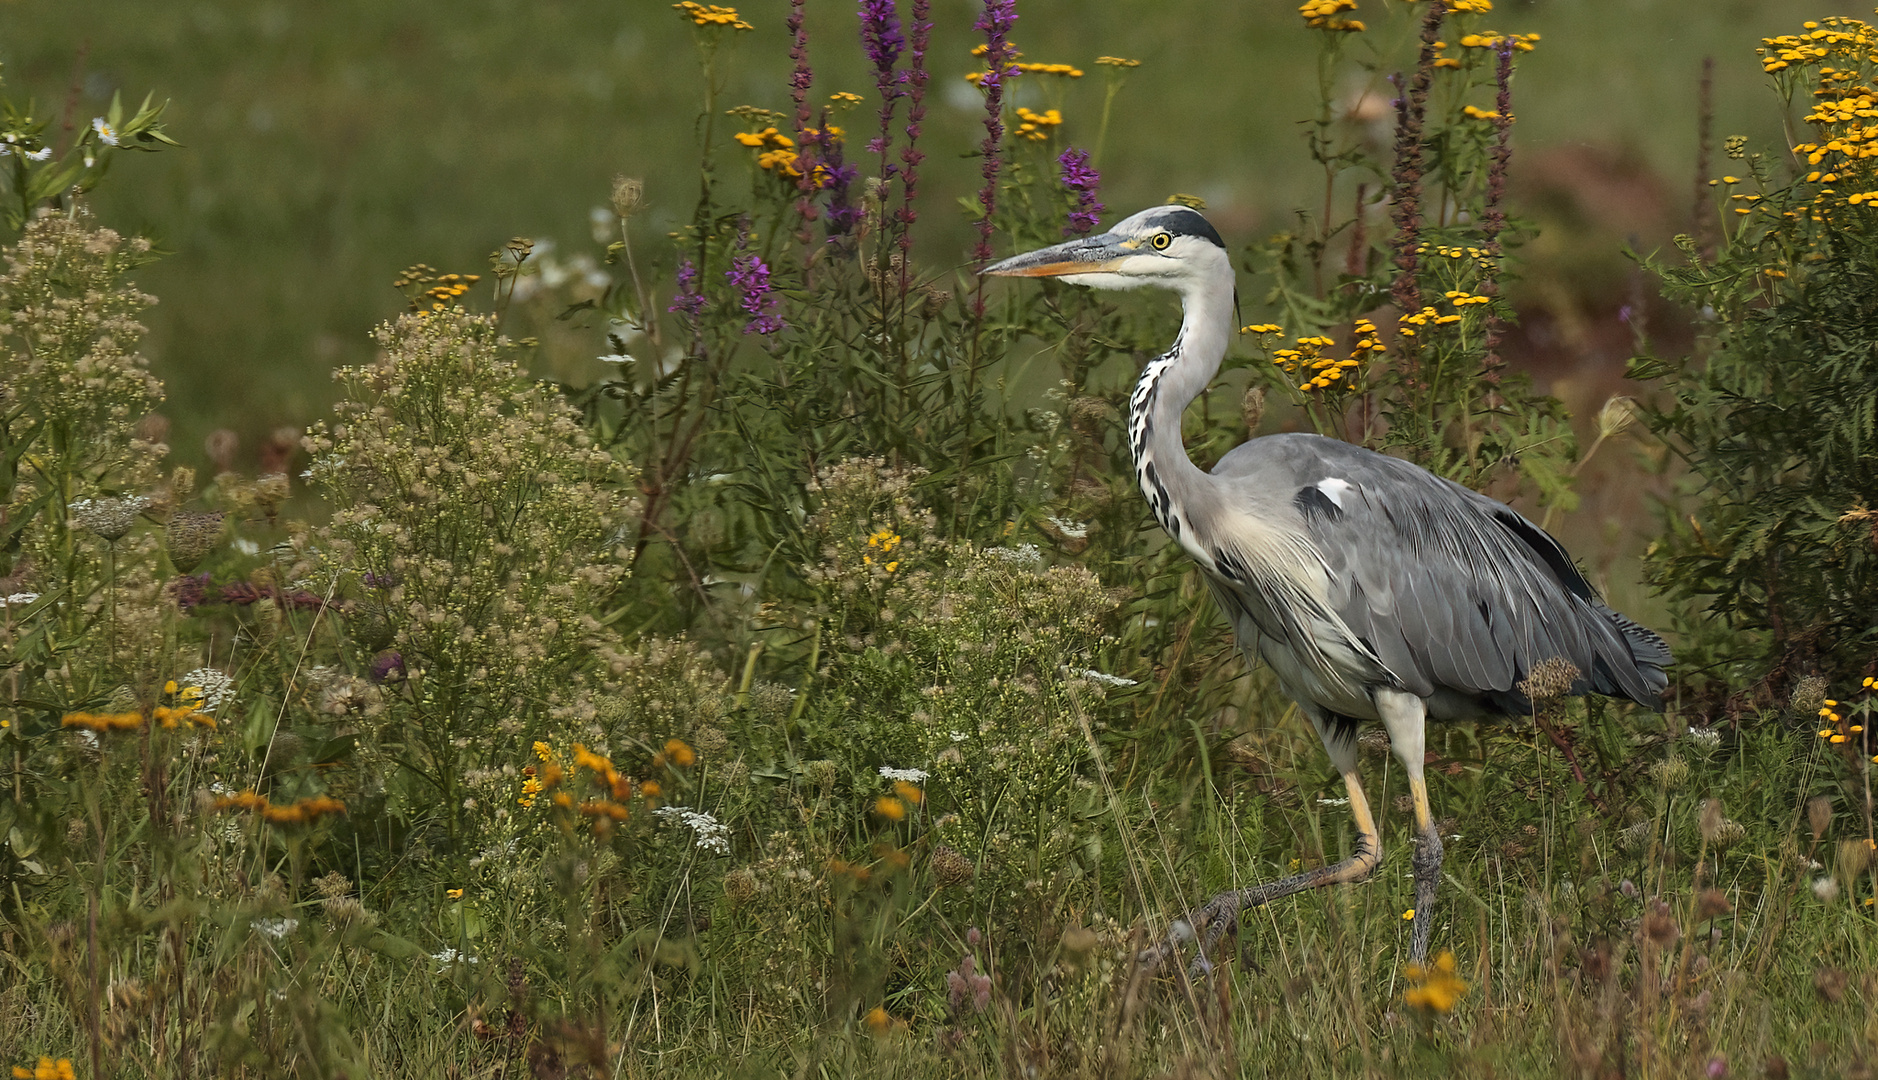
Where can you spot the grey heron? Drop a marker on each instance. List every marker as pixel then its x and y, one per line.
pixel 1375 590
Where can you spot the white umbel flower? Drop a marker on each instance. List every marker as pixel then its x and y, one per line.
pixel 911 776
pixel 707 832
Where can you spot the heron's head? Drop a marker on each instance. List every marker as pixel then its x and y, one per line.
pixel 1173 247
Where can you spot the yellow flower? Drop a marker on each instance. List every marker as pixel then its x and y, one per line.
pixel 842 97
pixel 543 750
pixel 1117 62
pixel 1435 989
pixel 454 894
pixel 1479 114
pixel 878 1021
pixel 169 687
pixel 680 754
pixel 911 793
pixel 1408 915
pixel 890 808
pixel 711 15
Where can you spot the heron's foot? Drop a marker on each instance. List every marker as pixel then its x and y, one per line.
pixel 1212 921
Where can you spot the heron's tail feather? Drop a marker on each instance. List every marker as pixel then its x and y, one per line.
pixel 1639 675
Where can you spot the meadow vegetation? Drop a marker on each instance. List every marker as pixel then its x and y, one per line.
pixel 811 697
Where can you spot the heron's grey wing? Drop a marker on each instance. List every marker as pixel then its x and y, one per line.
pixel 1453 590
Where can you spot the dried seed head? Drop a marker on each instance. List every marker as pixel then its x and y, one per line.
pixel 1659 927
pixel 950 868
pixel 821 775
pixel 109 518
pixel 1728 834
pixel 1808 695
pixel 1670 773
pixel 1819 816
pixel 220 446
pixel 1853 857
pixel 1710 820
pixel 1549 680
pixel 1711 904
pixel 333 884
pixel 1830 983
pixel 190 536
pixel 740 886
pixel 1616 416
pixel 1252 408
pixel 629 195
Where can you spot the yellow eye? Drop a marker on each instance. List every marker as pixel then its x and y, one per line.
pixel 1160 241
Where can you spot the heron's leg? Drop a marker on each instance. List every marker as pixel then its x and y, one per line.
pixel 1405 717
pixel 1219 916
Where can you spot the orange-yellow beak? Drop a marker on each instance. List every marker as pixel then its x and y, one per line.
pixel 1086 255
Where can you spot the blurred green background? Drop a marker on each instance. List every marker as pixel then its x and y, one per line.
pixel 328 145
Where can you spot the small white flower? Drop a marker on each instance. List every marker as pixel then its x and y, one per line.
pixel 1074 530
pixel 19 599
pixel 1022 555
pixel 1106 679
pixel 448 956
pixel 707 832
pixel 275 928
pixel 40 154
pixel 911 776
pixel 106 133
pixel 1334 802
pixel 245 546
pixel 1826 889
pixel 956 736
pixel 1705 738
pixel 618 358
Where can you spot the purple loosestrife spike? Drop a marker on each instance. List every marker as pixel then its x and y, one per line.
pixel 1082 181
pixel 911 155
pixel 800 79
pixel 689 302
pixel 995 21
pixel 750 277
pixel 883 41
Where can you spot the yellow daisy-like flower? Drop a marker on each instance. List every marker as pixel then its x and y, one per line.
pixel 1435 988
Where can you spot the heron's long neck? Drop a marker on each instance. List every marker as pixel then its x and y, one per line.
pixel 1169 479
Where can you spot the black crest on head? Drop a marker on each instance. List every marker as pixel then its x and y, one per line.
pixel 1186 221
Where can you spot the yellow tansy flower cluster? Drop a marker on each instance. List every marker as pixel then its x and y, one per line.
pixel 1036 126
pixel 1850 36
pixel 303 812
pixel 1321 15
pixel 711 15
pixel 1410 325
pixel 883 541
pixel 1477 113
pixel 1322 372
pixel 448 289
pixel 1117 62
pixel 1462 299
pixel 842 97
pixel 47 1069
pixel 776 151
pixel 1491 40
pixel 1434 987
pixel 1068 71
pixel 1470 7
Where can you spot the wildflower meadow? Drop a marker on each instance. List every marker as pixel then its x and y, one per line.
pixel 743 648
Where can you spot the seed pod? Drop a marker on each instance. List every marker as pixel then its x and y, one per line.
pixel 1819 815
pixel 109 519
pixel 190 536
pixel 950 868
pixel 1252 408
pixel 629 195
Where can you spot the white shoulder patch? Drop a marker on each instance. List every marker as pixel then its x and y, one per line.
pixel 1334 489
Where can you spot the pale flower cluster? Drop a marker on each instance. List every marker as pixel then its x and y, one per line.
pixel 707 832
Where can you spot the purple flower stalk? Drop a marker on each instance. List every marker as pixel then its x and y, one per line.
pixel 750 277
pixel 882 39
pixel 995 21
pixel 1081 181
pixel 689 302
pixel 911 156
